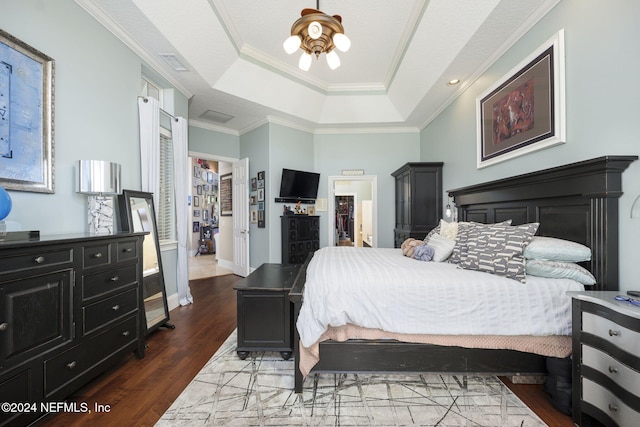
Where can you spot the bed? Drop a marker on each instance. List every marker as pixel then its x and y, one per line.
pixel 577 202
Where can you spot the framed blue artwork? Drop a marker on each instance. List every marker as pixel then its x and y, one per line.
pixel 26 117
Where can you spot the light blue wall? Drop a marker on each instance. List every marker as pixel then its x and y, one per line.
pixel 290 149
pixel 255 146
pixel 378 154
pixel 212 142
pixel 602 57
pixel 95 116
pixel 97 82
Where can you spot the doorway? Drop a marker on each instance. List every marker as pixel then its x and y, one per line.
pixel 211 240
pixel 352 208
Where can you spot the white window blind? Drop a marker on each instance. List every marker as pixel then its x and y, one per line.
pixel 166 214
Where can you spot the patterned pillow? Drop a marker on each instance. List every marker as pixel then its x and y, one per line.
pixel 559 270
pixel 460 249
pixel 498 250
pixel 436 230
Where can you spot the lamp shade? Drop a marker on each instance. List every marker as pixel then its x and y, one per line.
pixel 99 177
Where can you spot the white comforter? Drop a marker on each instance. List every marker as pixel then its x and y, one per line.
pixel 381 288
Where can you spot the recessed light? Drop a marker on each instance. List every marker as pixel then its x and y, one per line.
pixel 453 82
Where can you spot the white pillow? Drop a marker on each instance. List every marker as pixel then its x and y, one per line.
pixel 554 249
pixel 448 229
pixel 559 270
pixel 442 247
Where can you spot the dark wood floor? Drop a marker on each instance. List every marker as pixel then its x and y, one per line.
pixel 139 391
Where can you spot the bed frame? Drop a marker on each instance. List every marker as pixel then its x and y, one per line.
pixel 577 202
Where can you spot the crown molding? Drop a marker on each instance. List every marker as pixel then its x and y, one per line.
pixel 209 126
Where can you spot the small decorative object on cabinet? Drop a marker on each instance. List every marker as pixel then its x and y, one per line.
pixel 69 309
pixel 418 200
pixel 300 237
pixel 606 358
pixel 265 313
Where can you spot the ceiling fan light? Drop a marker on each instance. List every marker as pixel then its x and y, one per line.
pixel 333 60
pixel 291 44
pixel 342 42
pixel 315 30
pixel 305 61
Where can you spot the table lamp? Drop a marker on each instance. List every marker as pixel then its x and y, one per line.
pixel 101 181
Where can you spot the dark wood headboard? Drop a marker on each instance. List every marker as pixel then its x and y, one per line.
pixel 577 202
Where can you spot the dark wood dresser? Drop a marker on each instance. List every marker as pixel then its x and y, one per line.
pixel 300 237
pixel 69 309
pixel 606 359
pixel 418 200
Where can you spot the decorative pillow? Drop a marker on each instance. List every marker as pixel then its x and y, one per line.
pixel 448 229
pixel 463 228
pixel 435 230
pixel 554 249
pixel 559 270
pixel 498 249
pixel 408 246
pixel 442 247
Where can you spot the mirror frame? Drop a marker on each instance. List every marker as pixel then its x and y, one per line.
pixel 126 225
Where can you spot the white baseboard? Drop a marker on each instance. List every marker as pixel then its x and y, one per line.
pixel 173 301
pixel 225 264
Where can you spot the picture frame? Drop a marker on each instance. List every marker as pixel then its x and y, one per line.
pixel 260 194
pixel 226 199
pixel 254 184
pixel 524 111
pixel 196 226
pixel 26 138
pixel 199 189
pixel 311 210
pixel 196 171
pixel 254 216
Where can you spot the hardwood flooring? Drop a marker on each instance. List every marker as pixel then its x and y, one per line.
pixel 139 391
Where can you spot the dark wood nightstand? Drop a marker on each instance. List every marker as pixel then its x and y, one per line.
pixel 606 359
pixel 265 314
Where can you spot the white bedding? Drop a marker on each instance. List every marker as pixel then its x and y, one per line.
pixel 380 288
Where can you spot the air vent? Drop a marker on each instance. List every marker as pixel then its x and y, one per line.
pixel 216 116
pixel 173 61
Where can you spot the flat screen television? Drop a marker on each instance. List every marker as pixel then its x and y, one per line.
pixel 299 185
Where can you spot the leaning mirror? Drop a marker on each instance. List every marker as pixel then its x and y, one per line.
pixel 136 214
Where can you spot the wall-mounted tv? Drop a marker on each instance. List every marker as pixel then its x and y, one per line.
pixel 298 186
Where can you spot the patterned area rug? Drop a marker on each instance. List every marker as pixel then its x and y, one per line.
pixel 258 391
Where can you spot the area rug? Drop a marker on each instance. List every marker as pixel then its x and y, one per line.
pixel 258 391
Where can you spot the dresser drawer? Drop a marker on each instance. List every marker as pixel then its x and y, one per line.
pixel 35 259
pixel 623 338
pixel 608 403
pixel 621 374
pixel 67 366
pixel 96 255
pixel 108 310
pixel 94 285
pixel 127 250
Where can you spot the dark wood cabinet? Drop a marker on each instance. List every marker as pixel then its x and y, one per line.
pixel 265 315
pixel 69 309
pixel 418 200
pixel 300 237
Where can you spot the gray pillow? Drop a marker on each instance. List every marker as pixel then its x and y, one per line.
pixel 559 270
pixel 556 250
pixel 498 250
pixel 460 249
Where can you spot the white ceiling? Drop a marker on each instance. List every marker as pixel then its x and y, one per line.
pixel 395 75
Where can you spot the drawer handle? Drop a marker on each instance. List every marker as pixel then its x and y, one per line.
pixel 613 370
pixel 125 334
pixel 4 326
pixel 613 408
pixel 128 250
pixel 71 365
pixel 613 333
pixel 116 307
pixel 97 255
pixel 115 278
pixel 39 260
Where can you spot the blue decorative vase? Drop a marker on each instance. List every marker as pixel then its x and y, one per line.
pixel 5 203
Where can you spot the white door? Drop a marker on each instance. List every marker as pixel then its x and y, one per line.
pixel 240 200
